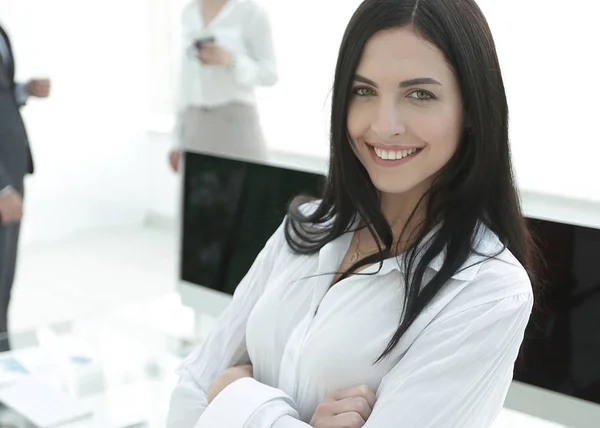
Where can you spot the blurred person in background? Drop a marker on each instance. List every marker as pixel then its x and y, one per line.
pixel 15 163
pixel 227 53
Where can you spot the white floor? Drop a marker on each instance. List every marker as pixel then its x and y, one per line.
pixel 90 271
pixel 107 267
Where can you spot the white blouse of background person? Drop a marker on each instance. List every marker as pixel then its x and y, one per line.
pixel 451 369
pixel 243 28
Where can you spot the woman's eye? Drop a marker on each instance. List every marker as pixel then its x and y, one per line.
pixel 421 95
pixel 362 91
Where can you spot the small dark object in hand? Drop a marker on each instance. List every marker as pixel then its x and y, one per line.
pixel 199 42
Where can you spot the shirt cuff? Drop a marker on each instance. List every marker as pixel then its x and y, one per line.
pixel 21 93
pixel 6 190
pixel 236 404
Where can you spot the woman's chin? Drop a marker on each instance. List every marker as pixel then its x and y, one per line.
pixel 391 187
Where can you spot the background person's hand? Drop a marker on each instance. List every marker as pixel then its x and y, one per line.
pixel 11 207
pixel 347 408
pixel 214 54
pixel 228 377
pixel 174 159
pixel 39 88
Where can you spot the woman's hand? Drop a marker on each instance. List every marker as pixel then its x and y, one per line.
pixel 174 159
pixel 228 377
pixel 348 408
pixel 213 54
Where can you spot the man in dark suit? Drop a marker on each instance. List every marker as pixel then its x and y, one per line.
pixel 15 163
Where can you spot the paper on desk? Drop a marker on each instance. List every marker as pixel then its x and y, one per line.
pixel 11 369
pixel 42 404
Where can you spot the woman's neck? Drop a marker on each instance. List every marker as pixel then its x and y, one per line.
pixel 210 9
pixel 398 210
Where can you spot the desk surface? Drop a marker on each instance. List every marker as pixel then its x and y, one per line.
pixel 526 407
pixel 120 364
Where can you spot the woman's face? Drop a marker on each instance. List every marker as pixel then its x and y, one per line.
pixel 405 116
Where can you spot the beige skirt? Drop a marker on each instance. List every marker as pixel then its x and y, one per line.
pixel 232 131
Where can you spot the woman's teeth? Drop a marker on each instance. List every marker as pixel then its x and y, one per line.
pixel 393 154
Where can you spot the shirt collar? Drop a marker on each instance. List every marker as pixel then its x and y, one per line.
pixel 485 244
pixel 194 7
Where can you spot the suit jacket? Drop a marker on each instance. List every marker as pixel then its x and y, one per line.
pixel 15 155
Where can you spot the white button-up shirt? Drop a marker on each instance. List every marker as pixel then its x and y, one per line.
pixel 243 28
pixel 305 339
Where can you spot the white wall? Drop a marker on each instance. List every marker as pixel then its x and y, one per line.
pixel 163 201
pixel 549 57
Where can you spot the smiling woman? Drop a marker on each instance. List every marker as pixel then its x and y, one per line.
pixel 401 297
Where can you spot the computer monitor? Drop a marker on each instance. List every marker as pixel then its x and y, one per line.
pixel 230 209
pixel 561 352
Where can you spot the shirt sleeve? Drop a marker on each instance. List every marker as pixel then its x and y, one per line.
pixel 455 375
pixel 258 67
pixel 225 346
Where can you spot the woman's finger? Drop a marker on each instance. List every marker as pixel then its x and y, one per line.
pixel 356 391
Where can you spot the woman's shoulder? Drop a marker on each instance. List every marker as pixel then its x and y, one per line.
pixel 304 209
pixel 252 5
pixel 491 274
pixel 189 16
pixel 491 277
pixel 498 263
pixel 249 9
pixel 304 213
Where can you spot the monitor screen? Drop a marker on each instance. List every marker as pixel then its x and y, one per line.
pixel 230 209
pixel 561 351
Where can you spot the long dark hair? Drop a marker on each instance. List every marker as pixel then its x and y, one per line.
pixel 475 187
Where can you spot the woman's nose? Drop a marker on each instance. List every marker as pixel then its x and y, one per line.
pixel 388 122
